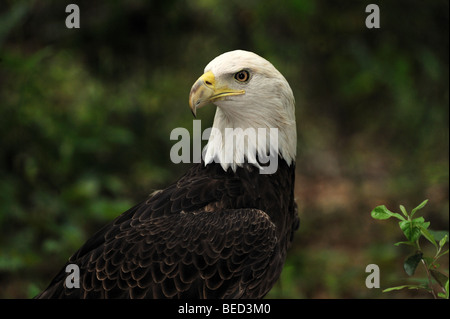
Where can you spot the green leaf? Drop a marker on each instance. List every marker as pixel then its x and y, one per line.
pixel 381 212
pixel 439 234
pixel 405 243
pixel 428 236
pixel 395 288
pixel 403 287
pixel 403 209
pixel 412 228
pixel 411 233
pixel 420 221
pixel 412 262
pixel 423 225
pixel 443 241
pixel 405 226
pixel 421 205
pixel 446 290
pixel 440 278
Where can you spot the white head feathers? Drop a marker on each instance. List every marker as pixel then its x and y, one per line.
pixel 266 107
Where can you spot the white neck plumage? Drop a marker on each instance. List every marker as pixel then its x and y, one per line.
pixel 238 138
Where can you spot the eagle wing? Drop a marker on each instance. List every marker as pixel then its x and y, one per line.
pixel 196 254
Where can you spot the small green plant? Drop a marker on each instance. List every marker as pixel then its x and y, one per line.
pixel 414 229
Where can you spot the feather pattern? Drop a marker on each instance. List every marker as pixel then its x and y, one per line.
pixel 174 246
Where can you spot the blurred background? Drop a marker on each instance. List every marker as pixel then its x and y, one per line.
pixel 86 115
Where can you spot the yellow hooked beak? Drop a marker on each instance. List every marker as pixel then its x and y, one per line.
pixel 206 90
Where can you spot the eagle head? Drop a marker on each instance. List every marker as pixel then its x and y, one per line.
pixel 252 97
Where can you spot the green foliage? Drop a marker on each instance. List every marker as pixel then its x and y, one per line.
pixel 414 229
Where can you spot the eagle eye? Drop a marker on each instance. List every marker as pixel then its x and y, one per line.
pixel 242 76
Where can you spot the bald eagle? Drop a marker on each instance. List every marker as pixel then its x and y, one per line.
pixel 222 230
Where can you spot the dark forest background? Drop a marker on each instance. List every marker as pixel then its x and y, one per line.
pixel 86 115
